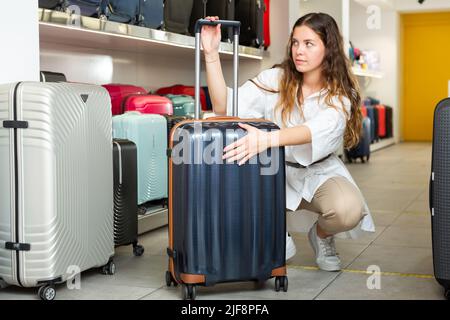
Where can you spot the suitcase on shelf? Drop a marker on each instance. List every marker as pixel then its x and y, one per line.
pixel 364 111
pixel 266 24
pixel 123 11
pixel 125 195
pixel 48 76
pixel 183 106
pixel 177 15
pixel 152 104
pixel 148 132
pixel 389 127
pixel 226 222
pixel 56 183
pixel 381 121
pixel 251 15
pixel 439 195
pixel 362 150
pixel 151 13
pixel 51 4
pixel 118 94
pixel 88 8
pixel 184 90
pixel 221 8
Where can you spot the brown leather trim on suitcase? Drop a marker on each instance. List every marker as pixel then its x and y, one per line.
pixel 278 272
pixel 190 278
pixel 193 278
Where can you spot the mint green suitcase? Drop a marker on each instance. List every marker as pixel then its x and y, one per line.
pixel 149 133
pixel 182 105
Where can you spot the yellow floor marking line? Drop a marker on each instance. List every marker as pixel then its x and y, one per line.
pixel 392 274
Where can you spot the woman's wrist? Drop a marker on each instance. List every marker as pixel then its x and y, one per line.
pixel 211 57
pixel 273 139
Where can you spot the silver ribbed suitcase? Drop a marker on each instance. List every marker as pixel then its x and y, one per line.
pixel 56 183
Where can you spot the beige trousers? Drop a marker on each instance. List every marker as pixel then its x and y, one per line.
pixel 339 205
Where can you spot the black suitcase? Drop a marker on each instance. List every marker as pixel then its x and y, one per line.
pixel 51 4
pixel 389 127
pixel 172 121
pixel 224 9
pixel 88 8
pixel 48 76
pixel 251 14
pixel 177 15
pixel 439 195
pixel 362 150
pixel 226 222
pixel 125 195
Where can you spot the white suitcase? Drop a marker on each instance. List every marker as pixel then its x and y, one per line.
pixel 56 183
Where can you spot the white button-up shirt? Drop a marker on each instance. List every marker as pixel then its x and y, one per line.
pixel 327 126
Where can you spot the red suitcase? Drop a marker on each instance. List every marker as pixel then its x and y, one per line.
pixel 184 90
pixel 381 120
pixel 118 93
pixel 149 104
pixel 364 111
pixel 266 24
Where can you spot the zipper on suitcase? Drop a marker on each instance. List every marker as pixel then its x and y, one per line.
pixel 17 246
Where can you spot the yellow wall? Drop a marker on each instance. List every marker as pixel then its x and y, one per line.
pixel 426 71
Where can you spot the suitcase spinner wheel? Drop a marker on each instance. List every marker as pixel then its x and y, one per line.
pixel 47 292
pixel 281 283
pixel 138 250
pixel 109 268
pixel 189 291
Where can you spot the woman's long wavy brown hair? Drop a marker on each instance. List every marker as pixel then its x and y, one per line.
pixel 336 72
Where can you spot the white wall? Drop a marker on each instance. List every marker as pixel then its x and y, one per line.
pixel 386 42
pixel 331 7
pixel 19 54
pixel 152 70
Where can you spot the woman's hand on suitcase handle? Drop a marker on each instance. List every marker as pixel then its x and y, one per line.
pixel 255 142
pixel 211 36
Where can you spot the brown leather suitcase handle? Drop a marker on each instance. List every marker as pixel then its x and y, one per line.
pixel 223 118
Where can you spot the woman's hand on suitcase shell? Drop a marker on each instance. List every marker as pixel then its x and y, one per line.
pixel 211 36
pixel 255 142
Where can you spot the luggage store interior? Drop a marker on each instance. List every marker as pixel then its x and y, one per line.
pixel 94 205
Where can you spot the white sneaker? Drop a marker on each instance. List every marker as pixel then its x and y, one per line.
pixel 325 251
pixel 290 247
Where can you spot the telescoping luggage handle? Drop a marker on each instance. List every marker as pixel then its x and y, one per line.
pixel 236 25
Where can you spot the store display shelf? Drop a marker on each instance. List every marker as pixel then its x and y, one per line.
pixel 367 73
pixel 70 29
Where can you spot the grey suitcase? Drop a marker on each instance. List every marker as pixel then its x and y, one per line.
pixel 439 196
pixel 56 183
pixel 177 15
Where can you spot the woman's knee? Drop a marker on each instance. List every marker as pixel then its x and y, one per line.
pixel 345 212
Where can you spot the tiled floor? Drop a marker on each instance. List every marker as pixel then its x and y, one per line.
pixel 395 184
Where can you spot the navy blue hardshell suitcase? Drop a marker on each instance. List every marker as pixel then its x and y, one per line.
pixel 124 11
pixel 226 222
pixel 151 13
pixel 362 150
pixel 439 195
